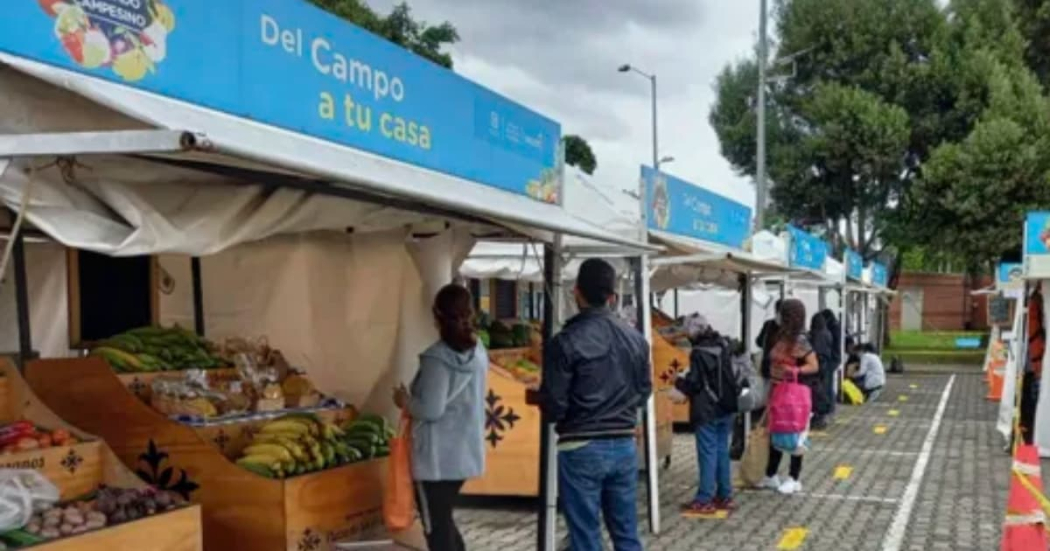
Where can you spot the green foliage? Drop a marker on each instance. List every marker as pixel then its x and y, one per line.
pixel 920 126
pixel 578 153
pixel 398 27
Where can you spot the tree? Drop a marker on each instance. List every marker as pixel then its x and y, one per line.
pixel 894 121
pixel 578 153
pixel 1033 17
pixel 398 27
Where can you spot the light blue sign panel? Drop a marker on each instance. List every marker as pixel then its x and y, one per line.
pixel 681 208
pixel 1007 272
pixel 807 251
pixel 290 65
pixel 854 265
pixel 879 276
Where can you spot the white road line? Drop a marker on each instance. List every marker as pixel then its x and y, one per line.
pixel 895 536
pixel 867 499
pixel 866 451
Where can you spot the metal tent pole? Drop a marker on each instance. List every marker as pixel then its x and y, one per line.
pixel 641 287
pixel 552 320
pixel 25 336
pixel 198 295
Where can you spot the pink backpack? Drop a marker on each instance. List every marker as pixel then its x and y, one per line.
pixel 790 404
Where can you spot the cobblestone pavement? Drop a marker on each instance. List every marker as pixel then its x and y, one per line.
pixel 909 488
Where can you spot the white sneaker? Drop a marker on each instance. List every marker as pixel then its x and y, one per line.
pixel 790 486
pixel 770 483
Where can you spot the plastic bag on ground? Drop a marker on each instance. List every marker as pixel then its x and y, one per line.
pixel 23 492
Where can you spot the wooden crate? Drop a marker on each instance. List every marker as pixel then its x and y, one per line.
pixel 79 469
pixel 240 510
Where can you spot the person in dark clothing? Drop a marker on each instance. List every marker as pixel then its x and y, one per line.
pixel 835 328
pixel 767 338
pixel 709 362
pixel 821 341
pixel 596 376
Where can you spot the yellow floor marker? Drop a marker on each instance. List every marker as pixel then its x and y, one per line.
pixel 717 515
pixel 913 386
pixel 792 539
pixel 842 472
pixel 902 398
pixel 879 429
pixel 893 412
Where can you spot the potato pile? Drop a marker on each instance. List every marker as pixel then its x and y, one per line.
pixel 59 522
pixel 110 506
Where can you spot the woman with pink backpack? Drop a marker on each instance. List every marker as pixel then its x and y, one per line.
pixel 790 402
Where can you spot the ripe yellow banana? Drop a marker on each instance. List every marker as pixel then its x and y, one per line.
pixel 271 450
pixel 285 425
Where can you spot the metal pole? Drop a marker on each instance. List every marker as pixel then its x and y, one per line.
pixel 25 336
pixel 532 301
pixel 656 147
pixel 760 149
pixel 676 314
pixel 552 319
pixel 198 295
pixel 745 336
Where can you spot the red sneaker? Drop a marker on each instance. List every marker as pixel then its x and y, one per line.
pixel 725 504
pixel 697 509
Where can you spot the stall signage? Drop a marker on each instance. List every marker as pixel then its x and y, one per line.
pixel 296 67
pixel 682 208
pixel 1009 277
pixel 879 276
pixel 1037 245
pixel 807 251
pixel 854 265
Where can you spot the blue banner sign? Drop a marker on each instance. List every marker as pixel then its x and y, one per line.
pixel 879 276
pixel 1037 245
pixel 807 251
pixel 291 65
pixel 681 208
pixel 1008 272
pixel 854 265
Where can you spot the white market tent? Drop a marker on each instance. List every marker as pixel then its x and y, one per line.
pixel 329 250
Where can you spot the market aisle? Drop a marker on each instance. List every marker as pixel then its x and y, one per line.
pixel 856 483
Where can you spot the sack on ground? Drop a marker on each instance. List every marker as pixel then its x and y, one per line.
pixel 794 443
pixel 852 392
pixel 399 503
pixel 790 405
pixel 753 463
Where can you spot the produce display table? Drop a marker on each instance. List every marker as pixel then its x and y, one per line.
pixel 512 428
pixel 80 468
pixel 241 510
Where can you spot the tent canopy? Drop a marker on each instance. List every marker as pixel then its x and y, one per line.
pixel 236 181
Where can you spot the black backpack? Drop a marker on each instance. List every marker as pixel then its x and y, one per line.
pixel 722 383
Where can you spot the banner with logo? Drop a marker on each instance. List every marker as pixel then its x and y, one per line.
pixel 1037 245
pixel 296 67
pixel 806 251
pixel 678 207
pixel 854 265
pixel 879 276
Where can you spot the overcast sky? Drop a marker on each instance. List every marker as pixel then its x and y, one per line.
pixel 559 57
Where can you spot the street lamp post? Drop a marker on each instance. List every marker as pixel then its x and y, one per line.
pixel 642 309
pixel 760 147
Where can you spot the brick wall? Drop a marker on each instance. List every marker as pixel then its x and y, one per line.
pixel 947 303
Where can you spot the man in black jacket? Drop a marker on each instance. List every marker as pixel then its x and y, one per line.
pixel 596 376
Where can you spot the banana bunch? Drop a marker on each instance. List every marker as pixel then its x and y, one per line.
pixel 370 435
pixel 296 444
pixel 157 349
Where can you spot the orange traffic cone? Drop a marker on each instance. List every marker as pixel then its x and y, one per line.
pixel 995 385
pixel 1023 529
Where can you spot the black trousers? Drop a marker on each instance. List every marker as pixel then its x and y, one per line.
pixel 436 501
pixel 775 456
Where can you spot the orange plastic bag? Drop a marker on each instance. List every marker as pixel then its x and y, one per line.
pixel 399 501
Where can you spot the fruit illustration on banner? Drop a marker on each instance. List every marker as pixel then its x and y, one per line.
pixel 1044 236
pixel 132 48
pixel 661 203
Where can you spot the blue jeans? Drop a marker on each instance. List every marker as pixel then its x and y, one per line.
pixel 712 452
pixel 601 476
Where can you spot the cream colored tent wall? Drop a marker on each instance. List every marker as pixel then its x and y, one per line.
pixel 352 311
pixel 48 307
